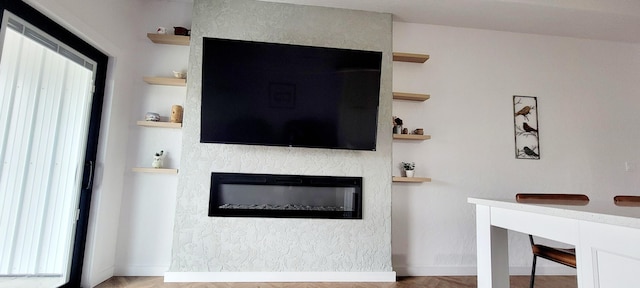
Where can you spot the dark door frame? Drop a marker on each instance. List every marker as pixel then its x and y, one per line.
pixel 49 26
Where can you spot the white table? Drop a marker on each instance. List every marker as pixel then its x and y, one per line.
pixel 606 238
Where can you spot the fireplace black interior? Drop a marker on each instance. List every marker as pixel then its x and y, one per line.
pixel 289 196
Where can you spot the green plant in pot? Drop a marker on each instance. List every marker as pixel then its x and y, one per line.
pixel 408 168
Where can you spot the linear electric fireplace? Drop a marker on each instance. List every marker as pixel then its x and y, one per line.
pixel 289 196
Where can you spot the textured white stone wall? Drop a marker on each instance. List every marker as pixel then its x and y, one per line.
pixel 203 243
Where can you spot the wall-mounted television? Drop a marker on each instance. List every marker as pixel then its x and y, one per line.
pixel 274 94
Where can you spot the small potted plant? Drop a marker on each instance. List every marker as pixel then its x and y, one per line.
pixel 408 168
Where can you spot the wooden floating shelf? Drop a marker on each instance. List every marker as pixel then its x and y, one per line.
pixel 410 57
pixel 411 179
pixel 169 39
pixel 410 96
pixel 411 137
pixel 155 170
pixel 159 124
pixel 165 81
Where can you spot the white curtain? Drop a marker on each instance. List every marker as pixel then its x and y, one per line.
pixel 45 101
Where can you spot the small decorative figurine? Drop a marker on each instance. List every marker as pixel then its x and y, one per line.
pixel 181 31
pixel 152 116
pixel 397 125
pixel 179 74
pixel 158 159
pixel 176 114
pixel 161 30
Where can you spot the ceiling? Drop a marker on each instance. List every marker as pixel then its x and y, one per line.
pixel 613 20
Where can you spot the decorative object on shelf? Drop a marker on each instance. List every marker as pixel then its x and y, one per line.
pixel 408 168
pixel 405 131
pixel 158 159
pixel 176 114
pixel 180 74
pixel 161 30
pixel 181 31
pixel 525 121
pixel 418 131
pixel 397 125
pixel 152 116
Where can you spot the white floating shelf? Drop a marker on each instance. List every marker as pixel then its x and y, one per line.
pixel 159 124
pixel 155 170
pixel 411 179
pixel 169 39
pixel 410 96
pixel 410 57
pixel 411 137
pixel 167 81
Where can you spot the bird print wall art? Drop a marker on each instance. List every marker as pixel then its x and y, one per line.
pixel 525 121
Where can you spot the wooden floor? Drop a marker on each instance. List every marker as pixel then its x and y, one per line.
pixel 403 282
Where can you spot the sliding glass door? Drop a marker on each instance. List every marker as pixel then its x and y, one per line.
pixel 48 134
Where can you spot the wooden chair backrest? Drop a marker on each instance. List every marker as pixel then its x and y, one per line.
pixel 622 200
pixel 556 199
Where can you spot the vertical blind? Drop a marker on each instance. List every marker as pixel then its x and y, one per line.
pixel 45 98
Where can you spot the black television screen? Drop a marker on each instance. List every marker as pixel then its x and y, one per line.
pixel 289 95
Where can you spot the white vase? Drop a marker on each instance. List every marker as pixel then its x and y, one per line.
pixel 408 173
pixel 157 162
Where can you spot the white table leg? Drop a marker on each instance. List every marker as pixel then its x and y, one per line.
pixel 493 251
pixel 608 256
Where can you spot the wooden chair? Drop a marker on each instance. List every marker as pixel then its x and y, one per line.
pixel 633 201
pixel 559 255
pixel 556 199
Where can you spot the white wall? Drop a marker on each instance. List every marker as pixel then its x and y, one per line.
pixel 587 98
pixel 148 204
pixel 587 93
pixel 108 26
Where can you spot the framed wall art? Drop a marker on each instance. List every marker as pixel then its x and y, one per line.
pixel 525 121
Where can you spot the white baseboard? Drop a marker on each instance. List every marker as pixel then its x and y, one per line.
pixel 98 277
pixel 141 270
pixel 280 276
pixel 472 270
pixel 435 271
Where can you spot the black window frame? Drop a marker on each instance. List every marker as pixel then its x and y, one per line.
pixel 46 24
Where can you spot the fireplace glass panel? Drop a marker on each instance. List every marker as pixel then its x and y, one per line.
pixel 265 195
